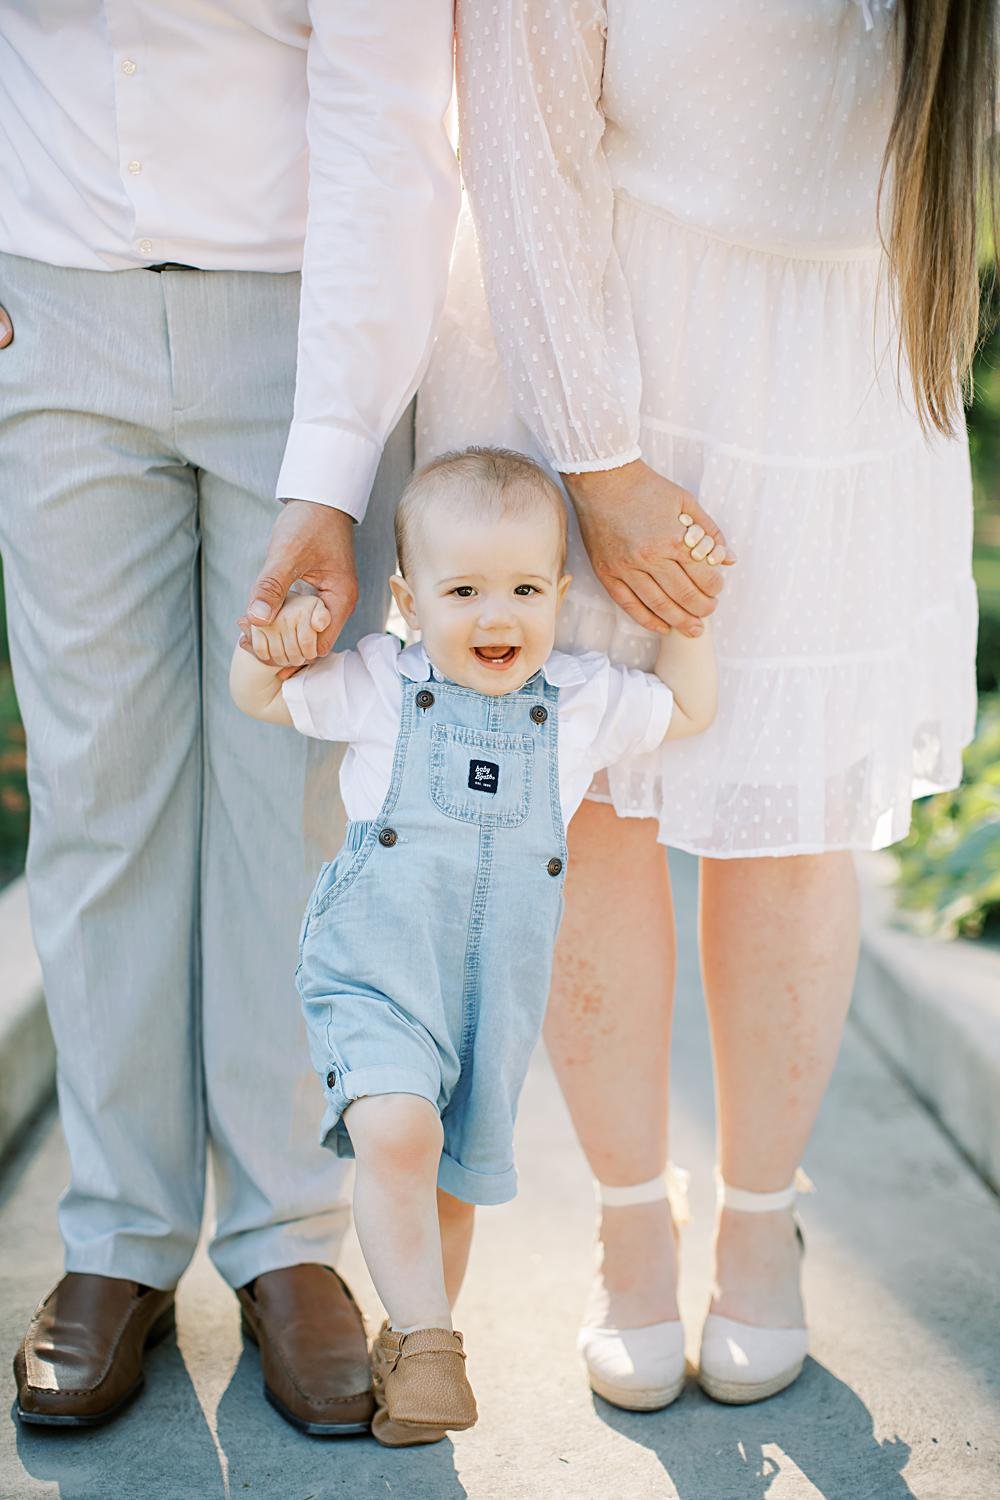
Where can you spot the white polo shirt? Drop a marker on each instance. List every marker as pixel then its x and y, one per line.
pixel 606 714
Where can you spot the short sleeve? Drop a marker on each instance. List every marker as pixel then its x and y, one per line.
pixel 636 715
pixel 338 697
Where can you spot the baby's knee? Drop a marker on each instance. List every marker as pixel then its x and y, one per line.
pixel 399 1134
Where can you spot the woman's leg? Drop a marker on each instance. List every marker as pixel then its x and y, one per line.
pixel 608 1035
pixel 779 942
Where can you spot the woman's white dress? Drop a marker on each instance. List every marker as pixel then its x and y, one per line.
pixel 675 206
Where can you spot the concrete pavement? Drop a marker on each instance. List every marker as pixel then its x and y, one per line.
pixel 901 1397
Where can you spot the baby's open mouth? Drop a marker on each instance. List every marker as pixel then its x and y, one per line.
pixel 496 656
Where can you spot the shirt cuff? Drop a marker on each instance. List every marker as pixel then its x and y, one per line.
pixel 661 711
pixel 596 465
pixel 293 690
pixel 330 466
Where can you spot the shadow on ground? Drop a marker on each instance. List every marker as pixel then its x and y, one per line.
pixel 820 1424
pixel 161 1448
pixel 164 1449
pixel 260 1447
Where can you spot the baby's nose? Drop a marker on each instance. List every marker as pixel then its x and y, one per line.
pixel 494 614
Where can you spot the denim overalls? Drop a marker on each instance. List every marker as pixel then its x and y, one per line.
pixel 426 948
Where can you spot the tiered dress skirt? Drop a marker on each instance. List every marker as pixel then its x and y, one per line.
pixel 846 633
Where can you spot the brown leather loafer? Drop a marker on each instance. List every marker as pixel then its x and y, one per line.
pixel 80 1362
pixel 313 1350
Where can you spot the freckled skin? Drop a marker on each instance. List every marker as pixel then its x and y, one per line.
pixel 589 1037
pixel 779 947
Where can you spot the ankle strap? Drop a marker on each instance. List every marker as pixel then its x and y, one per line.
pixel 761 1203
pixel 672 1184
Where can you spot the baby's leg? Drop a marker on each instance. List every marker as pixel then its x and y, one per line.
pixel 457 1220
pixel 397 1141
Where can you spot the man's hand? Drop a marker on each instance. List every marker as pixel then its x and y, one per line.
pixel 6 329
pixel 662 571
pixel 315 543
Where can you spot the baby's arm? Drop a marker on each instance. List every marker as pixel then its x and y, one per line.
pixel 687 666
pixel 289 642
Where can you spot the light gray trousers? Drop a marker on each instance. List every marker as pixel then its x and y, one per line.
pixel 142 421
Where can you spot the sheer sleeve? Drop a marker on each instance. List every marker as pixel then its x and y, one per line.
pixel 530 128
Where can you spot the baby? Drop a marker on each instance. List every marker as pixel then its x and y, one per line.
pixel 426 949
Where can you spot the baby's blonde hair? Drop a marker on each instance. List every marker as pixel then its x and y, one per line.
pixel 491 482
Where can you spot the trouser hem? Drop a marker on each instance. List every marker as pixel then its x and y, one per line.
pixel 317 1240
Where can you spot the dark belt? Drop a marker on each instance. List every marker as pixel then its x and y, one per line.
pixel 171 265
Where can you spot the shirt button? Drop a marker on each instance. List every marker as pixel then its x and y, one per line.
pixel 554 866
pixel 539 714
pixel 331 1079
pixel 424 698
pixel 134 167
pixel 128 66
pixel 388 837
pixel 146 246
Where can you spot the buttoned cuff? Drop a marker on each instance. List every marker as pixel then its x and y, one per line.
pixel 329 465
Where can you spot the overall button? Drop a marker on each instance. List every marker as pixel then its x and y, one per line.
pixel 331 1079
pixel 539 714
pixel 424 698
pixel 388 837
pixel 554 866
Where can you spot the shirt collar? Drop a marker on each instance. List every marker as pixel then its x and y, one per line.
pixel 561 669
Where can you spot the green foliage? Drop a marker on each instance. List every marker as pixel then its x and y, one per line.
pixel 949 866
pixel 13 785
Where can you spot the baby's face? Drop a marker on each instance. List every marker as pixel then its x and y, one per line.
pixel 485 595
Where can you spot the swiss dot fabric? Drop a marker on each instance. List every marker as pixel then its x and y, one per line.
pixel 672 214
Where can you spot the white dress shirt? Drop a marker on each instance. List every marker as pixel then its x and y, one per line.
pixel 134 132
pixel 606 713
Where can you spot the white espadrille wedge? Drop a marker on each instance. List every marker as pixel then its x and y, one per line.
pixel 741 1362
pixel 639 1369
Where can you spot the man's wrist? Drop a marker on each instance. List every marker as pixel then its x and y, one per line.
pixel 322 506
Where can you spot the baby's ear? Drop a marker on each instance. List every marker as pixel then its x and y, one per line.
pixel 562 586
pixel 405 602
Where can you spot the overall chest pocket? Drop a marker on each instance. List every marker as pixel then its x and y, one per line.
pixel 481 775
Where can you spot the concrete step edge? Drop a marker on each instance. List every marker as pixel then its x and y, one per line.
pixel 932 1007
pixel 27 1053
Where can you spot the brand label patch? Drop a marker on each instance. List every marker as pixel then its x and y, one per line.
pixel 484 776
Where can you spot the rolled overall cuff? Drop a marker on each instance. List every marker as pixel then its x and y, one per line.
pixel 343 1087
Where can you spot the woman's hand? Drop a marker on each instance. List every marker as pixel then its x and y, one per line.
pixel 662 571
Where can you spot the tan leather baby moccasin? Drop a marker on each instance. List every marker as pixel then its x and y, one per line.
pixel 421 1389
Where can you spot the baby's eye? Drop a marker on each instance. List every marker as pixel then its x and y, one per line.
pixel 464 591
pixel 526 588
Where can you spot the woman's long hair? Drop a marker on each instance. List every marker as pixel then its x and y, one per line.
pixel 942 174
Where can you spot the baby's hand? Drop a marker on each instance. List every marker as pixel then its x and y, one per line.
pixel 290 640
